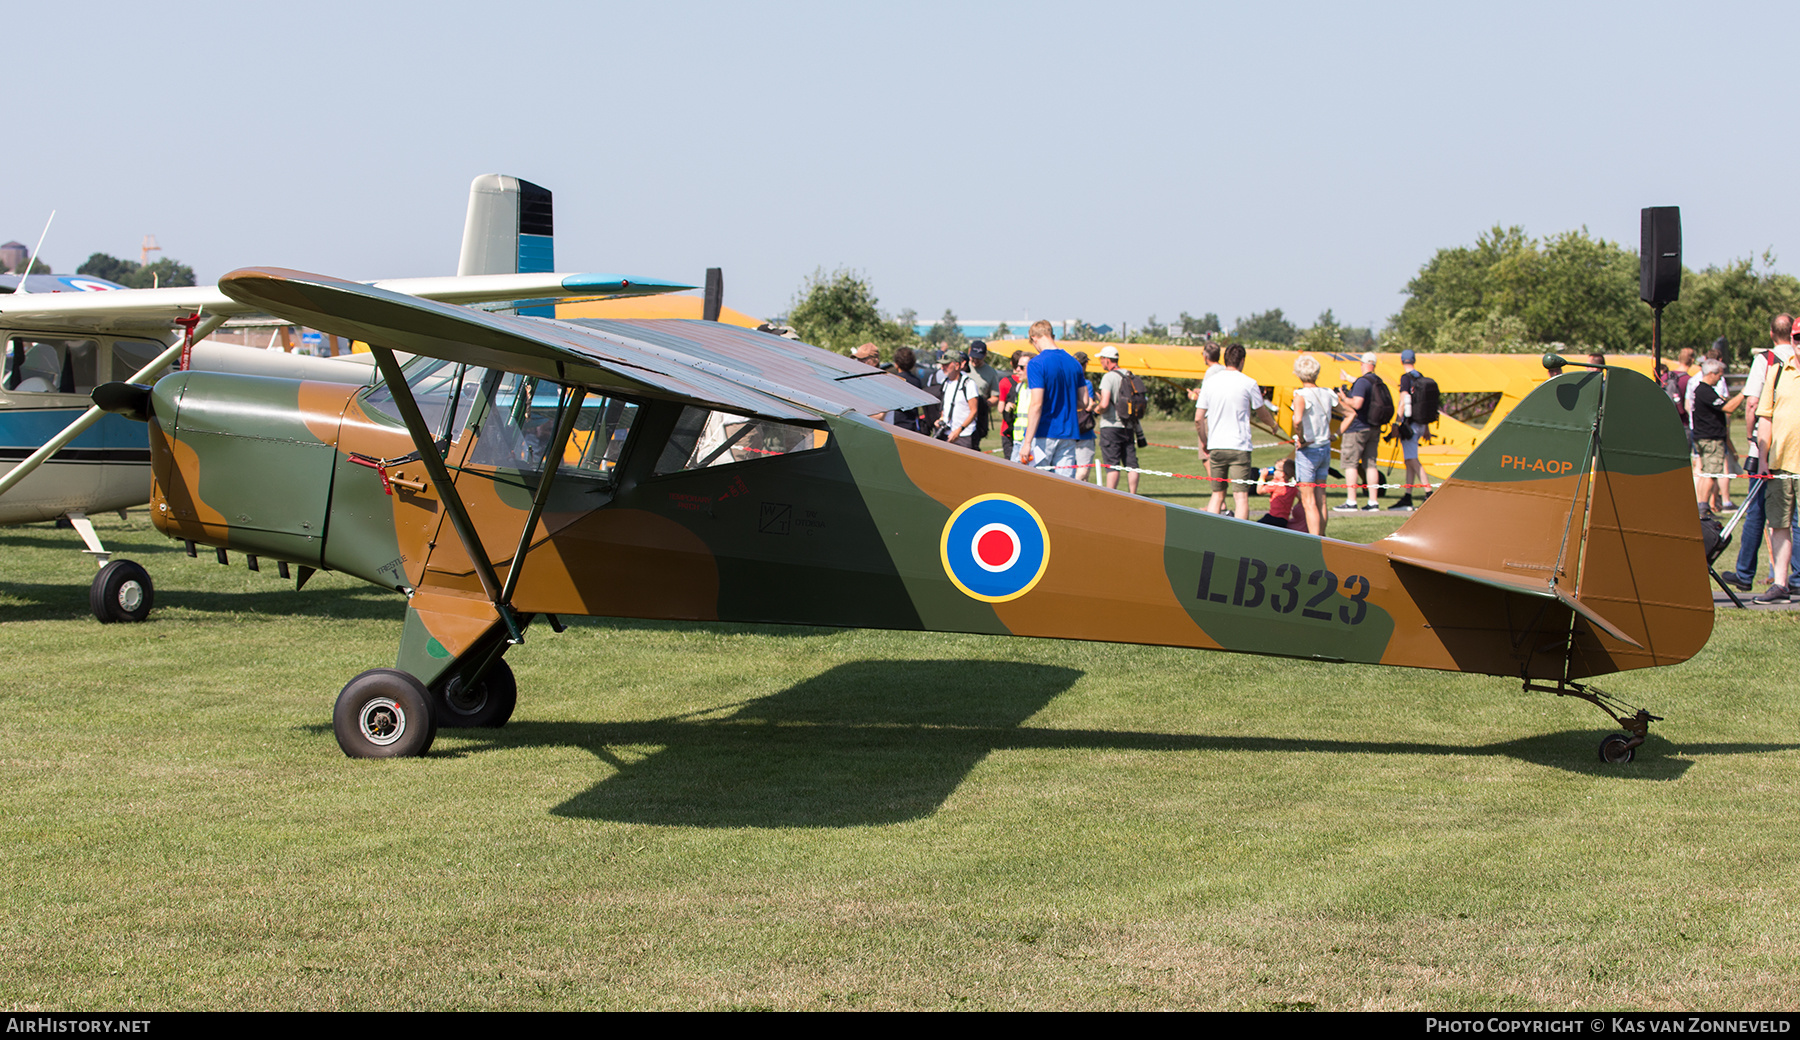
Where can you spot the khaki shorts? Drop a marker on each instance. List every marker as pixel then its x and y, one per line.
pixel 1712 455
pixel 1358 447
pixel 1778 502
pixel 1228 464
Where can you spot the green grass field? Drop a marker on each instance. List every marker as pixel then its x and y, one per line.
pixel 713 816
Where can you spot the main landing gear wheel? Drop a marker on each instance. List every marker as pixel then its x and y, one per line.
pixel 1616 749
pixel 488 703
pixel 122 591
pixel 384 713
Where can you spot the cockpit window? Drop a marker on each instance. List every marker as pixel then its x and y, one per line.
pixel 704 438
pixel 444 390
pixel 517 428
pixel 130 355
pixel 51 366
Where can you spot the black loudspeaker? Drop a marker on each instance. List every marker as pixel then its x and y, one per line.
pixel 1659 256
pixel 715 294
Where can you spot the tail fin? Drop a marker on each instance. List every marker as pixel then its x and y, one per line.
pixel 1581 496
pixel 509 230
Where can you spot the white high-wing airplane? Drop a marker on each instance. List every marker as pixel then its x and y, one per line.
pixel 64 335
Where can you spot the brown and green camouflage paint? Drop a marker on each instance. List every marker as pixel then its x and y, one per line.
pixel 1469 583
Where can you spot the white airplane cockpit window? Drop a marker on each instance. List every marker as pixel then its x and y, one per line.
pixel 445 392
pixel 704 438
pixel 51 366
pixel 130 355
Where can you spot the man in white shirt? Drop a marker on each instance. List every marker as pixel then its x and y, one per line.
pixel 1230 402
pixel 962 396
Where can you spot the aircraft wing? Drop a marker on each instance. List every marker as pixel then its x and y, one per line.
pixel 155 310
pixel 704 363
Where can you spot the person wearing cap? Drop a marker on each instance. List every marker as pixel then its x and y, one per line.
pixel 1409 447
pixel 977 367
pixel 1118 440
pixel 1058 390
pixel 1359 437
pixel 962 396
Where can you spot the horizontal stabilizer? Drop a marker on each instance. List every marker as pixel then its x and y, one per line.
pixel 1530 586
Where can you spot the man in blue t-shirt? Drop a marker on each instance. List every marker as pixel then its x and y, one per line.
pixel 1058 395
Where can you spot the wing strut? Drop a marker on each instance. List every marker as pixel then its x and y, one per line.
pixel 94 412
pixel 571 409
pixel 440 476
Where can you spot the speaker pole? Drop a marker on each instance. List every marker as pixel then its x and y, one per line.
pixel 1655 340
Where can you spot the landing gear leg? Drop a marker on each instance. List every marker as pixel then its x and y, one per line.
pixel 122 591
pixel 1617 748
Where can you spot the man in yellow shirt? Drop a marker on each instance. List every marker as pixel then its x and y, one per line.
pixel 1779 439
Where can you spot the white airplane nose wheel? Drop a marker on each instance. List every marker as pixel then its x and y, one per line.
pixel 384 713
pixel 122 591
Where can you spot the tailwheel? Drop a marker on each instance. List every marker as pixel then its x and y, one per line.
pixel 1616 749
pixel 488 702
pixel 122 591
pixel 384 713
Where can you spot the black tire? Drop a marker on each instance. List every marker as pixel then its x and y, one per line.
pixel 1613 749
pixel 122 591
pixel 489 704
pixel 384 713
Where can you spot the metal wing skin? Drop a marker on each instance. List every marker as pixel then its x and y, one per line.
pixel 695 362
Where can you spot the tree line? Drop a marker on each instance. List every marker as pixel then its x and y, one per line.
pixel 1508 293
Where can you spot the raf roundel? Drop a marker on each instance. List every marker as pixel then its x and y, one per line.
pixel 995 548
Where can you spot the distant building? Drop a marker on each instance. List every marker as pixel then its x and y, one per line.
pixel 13 256
pixel 1015 328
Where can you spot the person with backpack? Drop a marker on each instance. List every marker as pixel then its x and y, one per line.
pixel 1371 407
pixel 1418 410
pixel 1121 405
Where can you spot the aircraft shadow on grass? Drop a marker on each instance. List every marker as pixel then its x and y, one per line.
pixel 878 742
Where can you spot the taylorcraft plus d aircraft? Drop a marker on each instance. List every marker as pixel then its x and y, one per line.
pixel 64 335
pixel 1512 376
pixel 519 468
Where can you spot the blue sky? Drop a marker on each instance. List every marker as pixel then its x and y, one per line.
pixel 1102 161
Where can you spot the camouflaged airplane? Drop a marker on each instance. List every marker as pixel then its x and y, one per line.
pixel 523 467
